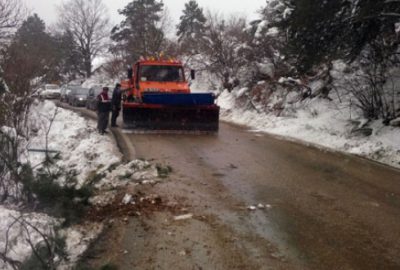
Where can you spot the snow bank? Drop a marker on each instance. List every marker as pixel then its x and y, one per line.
pixel 82 149
pixel 13 239
pixel 320 122
pixel 78 239
pixel 74 137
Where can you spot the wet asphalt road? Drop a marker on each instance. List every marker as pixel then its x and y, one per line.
pixel 328 210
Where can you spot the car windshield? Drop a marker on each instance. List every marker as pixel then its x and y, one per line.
pixel 161 74
pixel 51 87
pixel 81 91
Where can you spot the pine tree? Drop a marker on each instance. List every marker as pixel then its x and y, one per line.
pixel 31 54
pixel 70 63
pixel 141 33
pixel 191 27
pixel 322 30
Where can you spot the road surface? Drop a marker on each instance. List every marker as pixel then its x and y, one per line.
pixel 323 210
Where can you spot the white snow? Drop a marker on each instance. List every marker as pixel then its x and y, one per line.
pixel 260 28
pixel 136 172
pixel 81 149
pixel 241 91
pixel 273 31
pixel 267 68
pixel 18 247
pixel 78 239
pixel 76 138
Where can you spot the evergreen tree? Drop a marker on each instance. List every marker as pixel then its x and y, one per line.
pixel 141 32
pixel 314 29
pixel 323 30
pixel 70 63
pixel 191 28
pixel 31 54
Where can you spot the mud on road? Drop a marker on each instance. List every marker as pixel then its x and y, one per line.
pixel 324 210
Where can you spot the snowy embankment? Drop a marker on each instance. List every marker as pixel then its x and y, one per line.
pixel 82 150
pixel 81 147
pixel 319 122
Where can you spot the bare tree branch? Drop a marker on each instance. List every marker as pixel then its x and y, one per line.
pixel 89 24
pixel 12 12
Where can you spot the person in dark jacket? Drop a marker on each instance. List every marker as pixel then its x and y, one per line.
pixel 103 110
pixel 116 104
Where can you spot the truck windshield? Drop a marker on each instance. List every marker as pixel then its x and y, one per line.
pixel 161 74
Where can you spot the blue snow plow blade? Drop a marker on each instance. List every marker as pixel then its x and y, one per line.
pixel 179 99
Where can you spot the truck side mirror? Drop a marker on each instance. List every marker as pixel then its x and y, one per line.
pixel 192 74
pixel 130 73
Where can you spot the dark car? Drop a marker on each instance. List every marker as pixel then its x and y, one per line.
pixel 91 101
pixel 66 90
pixel 69 93
pixel 78 97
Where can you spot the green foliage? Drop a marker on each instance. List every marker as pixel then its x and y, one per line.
pixel 31 54
pixel 41 55
pixel 70 61
pixel 191 27
pixel 315 30
pixel 319 31
pixel 60 201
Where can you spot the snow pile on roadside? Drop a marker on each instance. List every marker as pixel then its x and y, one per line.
pixel 78 239
pixel 81 147
pixel 17 229
pixel 320 122
pixel 20 229
pixel 133 173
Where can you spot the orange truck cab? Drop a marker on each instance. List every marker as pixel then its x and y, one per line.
pixel 158 98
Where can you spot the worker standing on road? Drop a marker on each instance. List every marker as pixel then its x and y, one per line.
pixel 116 104
pixel 103 110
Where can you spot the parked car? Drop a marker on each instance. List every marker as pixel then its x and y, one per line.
pixel 64 93
pixel 66 90
pixel 78 97
pixel 69 93
pixel 50 91
pixel 91 102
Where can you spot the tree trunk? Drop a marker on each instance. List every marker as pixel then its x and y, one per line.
pixel 88 66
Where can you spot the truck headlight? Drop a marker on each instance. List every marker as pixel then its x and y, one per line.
pixel 152 90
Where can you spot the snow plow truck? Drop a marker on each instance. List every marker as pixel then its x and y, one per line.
pixel 158 98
